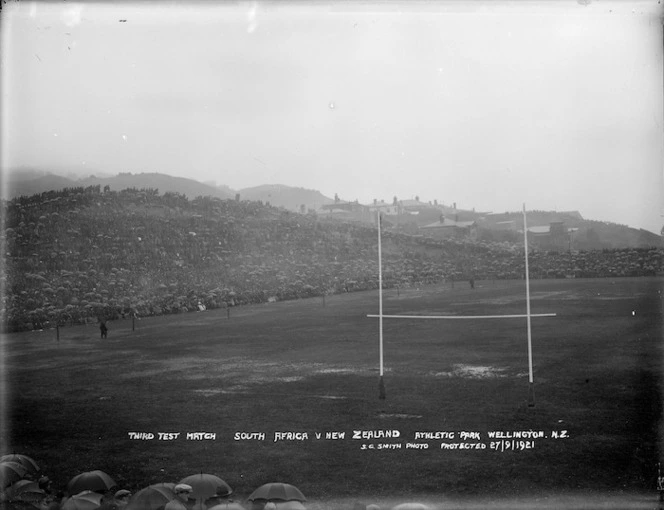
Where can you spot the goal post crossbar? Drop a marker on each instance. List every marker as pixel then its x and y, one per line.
pixel 462 316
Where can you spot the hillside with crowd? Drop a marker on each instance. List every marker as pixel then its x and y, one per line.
pixel 86 254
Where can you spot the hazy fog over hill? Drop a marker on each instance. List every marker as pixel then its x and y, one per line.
pixel 553 103
pixel 286 196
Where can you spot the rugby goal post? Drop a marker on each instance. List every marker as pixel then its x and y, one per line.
pixel 527 315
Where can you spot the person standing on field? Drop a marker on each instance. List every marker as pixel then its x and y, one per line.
pixel 103 328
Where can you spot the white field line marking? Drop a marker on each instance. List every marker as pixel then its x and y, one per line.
pixel 463 316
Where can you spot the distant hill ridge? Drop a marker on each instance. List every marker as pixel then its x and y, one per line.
pixel 31 182
pixel 591 234
pixel 164 183
pixel 288 197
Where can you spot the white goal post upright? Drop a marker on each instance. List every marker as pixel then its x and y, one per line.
pixel 531 390
pixel 381 384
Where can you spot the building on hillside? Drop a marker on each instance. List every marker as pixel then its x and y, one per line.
pixel 414 206
pixel 401 211
pixel 505 225
pixel 447 228
pixel 353 211
pixel 554 236
pixel 385 208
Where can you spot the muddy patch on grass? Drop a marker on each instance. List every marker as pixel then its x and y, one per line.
pixel 254 379
pixel 209 392
pixel 617 298
pixel 355 371
pixel 400 416
pixel 292 378
pixel 506 300
pixel 245 390
pixel 426 312
pixel 197 367
pixel 238 375
pixel 334 371
pixel 473 372
pixel 248 370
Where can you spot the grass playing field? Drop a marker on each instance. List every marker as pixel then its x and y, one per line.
pixel 308 367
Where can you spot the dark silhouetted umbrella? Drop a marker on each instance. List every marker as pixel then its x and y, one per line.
pixel 25 461
pixel 96 480
pixel 205 486
pixel 11 472
pixel 277 491
pixel 284 505
pixel 86 500
pixel 25 490
pixel 230 505
pixel 153 497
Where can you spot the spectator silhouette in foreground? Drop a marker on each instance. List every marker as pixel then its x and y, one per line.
pixel 181 500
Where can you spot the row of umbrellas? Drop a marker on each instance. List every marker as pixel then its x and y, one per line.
pixel 204 486
pixel 87 488
pixel 271 496
pixel 157 495
pixel 14 467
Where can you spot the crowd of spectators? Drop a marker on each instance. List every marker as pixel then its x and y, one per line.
pixel 84 254
pixel 24 486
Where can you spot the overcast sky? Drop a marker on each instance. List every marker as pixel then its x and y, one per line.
pixel 555 104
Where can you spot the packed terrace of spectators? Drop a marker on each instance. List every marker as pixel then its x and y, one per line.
pixel 83 254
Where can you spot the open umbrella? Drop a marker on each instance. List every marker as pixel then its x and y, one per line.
pixel 25 490
pixel 153 497
pixel 205 486
pixel 10 472
pixel 410 506
pixel 86 500
pixel 284 505
pixel 91 481
pixel 277 491
pixel 23 460
pixel 230 505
